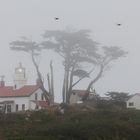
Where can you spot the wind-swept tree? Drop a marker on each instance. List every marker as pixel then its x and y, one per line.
pixel 109 55
pixel 33 49
pixel 77 48
pixel 74 48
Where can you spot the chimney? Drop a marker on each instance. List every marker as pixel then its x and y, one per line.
pixel 2 82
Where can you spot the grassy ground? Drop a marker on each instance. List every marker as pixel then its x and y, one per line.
pixel 75 124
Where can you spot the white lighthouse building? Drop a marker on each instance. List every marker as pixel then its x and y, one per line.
pixel 20 78
pixel 20 96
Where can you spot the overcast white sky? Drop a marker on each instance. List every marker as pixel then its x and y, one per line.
pixel 32 17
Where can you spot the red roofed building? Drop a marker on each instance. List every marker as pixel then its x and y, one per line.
pixel 21 96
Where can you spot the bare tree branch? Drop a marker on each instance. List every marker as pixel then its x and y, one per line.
pixel 82 77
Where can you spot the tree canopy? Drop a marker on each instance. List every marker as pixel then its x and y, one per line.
pixel 76 48
pixel 118 96
pixel 33 49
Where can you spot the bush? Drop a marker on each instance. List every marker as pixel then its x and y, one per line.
pixel 100 124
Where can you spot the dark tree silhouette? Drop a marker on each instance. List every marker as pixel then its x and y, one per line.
pixel 118 96
pixel 33 49
pixel 109 55
pixel 75 48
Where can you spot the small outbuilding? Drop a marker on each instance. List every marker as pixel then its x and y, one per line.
pixel 77 96
pixel 134 101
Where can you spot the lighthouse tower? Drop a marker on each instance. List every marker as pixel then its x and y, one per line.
pixel 20 77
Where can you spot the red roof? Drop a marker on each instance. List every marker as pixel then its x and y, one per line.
pixel 9 91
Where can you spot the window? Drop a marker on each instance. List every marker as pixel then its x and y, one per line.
pixel 1 107
pixel 35 96
pixel 37 107
pixel 8 108
pixel 16 107
pixel 23 107
pixel 42 96
pixel 131 104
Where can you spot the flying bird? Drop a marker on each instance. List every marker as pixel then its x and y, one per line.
pixel 118 24
pixel 56 18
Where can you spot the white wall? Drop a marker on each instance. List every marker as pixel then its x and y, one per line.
pixel 74 98
pixel 29 105
pixel 19 101
pixel 32 97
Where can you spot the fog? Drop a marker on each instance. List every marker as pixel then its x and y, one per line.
pixel 31 18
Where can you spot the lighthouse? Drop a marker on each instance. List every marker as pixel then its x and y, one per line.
pixel 20 78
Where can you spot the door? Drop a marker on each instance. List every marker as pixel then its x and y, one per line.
pixel 8 108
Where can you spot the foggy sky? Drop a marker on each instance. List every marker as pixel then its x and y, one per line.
pixel 32 17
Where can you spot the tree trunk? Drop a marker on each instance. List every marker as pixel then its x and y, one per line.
pixel 49 85
pixel 67 72
pixel 45 93
pixel 67 86
pixel 64 90
pixel 70 84
pixel 52 84
pixel 93 81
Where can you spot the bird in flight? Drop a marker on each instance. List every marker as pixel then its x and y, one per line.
pixel 56 18
pixel 118 24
